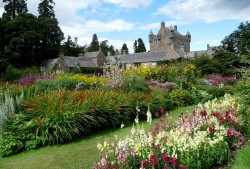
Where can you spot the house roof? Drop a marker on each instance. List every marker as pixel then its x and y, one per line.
pixel 91 54
pixel 49 64
pixel 139 57
pixel 86 62
pixel 70 61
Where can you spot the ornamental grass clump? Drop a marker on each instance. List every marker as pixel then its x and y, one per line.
pixel 196 140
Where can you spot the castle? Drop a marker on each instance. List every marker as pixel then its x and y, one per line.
pixel 169 38
pixel 166 45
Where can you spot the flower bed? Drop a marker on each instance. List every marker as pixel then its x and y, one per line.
pixel 201 139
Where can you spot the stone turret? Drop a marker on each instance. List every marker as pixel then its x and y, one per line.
pixel 151 36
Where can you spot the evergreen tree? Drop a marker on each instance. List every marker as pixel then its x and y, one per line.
pixel 50 36
pixel 140 46
pixel 45 9
pixel 14 8
pixel 70 48
pixel 135 46
pixel 112 50
pixel 94 45
pixel 49 30
pixel 124 48
pixel 104 47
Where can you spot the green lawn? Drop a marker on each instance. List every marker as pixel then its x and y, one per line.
pixel 75 155
pixel 242 160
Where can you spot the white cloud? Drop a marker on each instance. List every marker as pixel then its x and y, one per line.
pixel 188 11
pixel 130 3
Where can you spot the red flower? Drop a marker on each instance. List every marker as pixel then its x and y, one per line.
pixel 143 164
pixel 182 167
pixel 174 161
pixel 152 160
pixel 165 157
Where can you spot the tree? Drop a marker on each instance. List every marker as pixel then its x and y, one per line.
pixel 124 48
pixel 94 45
pixel 15 7
pixel 50 36
pixel 238 41
pixel 205 64
pixel 227 61
pixel 22 40
pixel 140 46
pixel 135 46
pixel 71 48
pixel 104 47
pixel 45 9
pixel 49 31
pixel 112 50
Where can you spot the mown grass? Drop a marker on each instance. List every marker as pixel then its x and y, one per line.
pixel 242 160
pixel 74 155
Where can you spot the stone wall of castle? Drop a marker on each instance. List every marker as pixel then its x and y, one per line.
pixel 169 38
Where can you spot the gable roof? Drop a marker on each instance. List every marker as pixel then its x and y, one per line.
pixel 91 54
pixel 86 62
pixel 49 64
pixel 70 61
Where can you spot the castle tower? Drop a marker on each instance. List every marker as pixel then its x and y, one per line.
pixel 169 38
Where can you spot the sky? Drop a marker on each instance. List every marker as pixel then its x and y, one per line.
pixel 124 21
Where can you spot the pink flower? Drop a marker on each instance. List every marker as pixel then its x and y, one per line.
pixel 157 114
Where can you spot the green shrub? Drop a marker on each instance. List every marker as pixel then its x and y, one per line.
pixel 13 74
pixel 243 91
pixel 212 90
pixel 199 96
pixel 134 83
pixel 180 97
pixel 159 99
pixel 69 84
pixel 9 145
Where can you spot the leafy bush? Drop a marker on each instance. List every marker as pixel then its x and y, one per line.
pixel 180 97
pixel 87 82
pixel 243 90
pixel 134 83
pixel 10 145
pixel 12 74
pixel 199 96
pixel 48 85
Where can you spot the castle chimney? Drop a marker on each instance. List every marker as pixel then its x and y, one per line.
pixel 208 46
pixel 124 52
pixel 175 27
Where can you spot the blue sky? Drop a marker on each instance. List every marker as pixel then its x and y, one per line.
pixel 124 21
